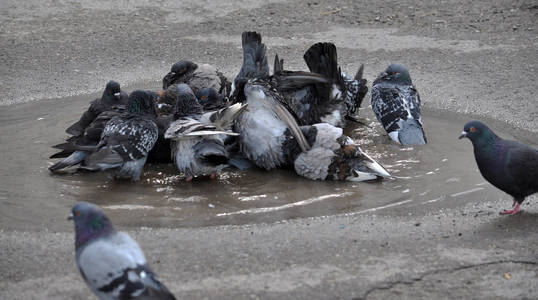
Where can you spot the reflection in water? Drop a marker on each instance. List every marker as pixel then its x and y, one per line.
pixel 31 198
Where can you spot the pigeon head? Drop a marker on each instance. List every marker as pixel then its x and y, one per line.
pixel 396 73
pixel 183 67
pixel 142 103
pixel 477 132
pixel 186 104
pixel 112 90
pixel 207 96
pixel 90 223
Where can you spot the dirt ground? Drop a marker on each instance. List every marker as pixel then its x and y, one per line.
pixel 473 57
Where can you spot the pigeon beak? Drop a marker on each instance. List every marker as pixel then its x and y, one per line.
pixel 462 135
pixel 70 217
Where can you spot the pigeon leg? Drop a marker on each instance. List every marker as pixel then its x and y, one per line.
pixel 189 179
pixel 213 176
pixel 514 203
pixel 510 211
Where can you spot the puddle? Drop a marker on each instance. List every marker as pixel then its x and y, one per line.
pixel 440 174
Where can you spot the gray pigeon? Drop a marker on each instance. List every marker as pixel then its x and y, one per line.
pixel 112 96
pixel 126 139
pixel 271 138
pixel 198 140
pixel 396 104
pixel 510 166
pixel 197 77
pixel 111 262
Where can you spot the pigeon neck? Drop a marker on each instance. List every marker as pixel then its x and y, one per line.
pixel 84 234
pixel 486 143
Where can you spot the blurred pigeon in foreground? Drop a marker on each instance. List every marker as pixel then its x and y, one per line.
pixel 198 141
pixel 510 166
pixel 396 104
pixel 111 262
pixel 127 139
pixel 112 96
pixel 197 77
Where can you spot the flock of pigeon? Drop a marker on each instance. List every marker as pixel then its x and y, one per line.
pixel 291 119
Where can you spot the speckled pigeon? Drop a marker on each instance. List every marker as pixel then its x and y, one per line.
pixel 396 104
pixel 509 165
pixel 127 139
pixel 111 262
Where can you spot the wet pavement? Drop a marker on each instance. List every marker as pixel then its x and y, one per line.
pixel 431 232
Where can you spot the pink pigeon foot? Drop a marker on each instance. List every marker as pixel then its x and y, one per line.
pixel 189 179
pixel 510 211
pixel 213 176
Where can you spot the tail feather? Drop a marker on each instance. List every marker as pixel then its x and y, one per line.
pixel 411 133
pixel 211 151
pixel 322 58
pixel 363 88
pixel 279 65
pixel 73 159
pixel 105 158
pixel 254 55
pixel 223 119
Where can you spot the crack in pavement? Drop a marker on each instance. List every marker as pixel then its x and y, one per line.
pixel 391 284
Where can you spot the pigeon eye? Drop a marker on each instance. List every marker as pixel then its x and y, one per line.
pixel 472 129
pixel 77 213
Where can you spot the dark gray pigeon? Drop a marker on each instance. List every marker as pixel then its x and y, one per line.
pixel 126 139
pixel 111 262
pixel 197 77
pixel 396 104
pixel 90 138
pixel 198 140
pixel 211 100
pixel 112 96
pixel 510 166
pixel 316 96
pixel 322 58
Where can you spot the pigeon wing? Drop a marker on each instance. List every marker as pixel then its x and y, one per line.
pixel 115 268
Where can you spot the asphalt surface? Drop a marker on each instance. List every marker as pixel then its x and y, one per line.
pixel 477 58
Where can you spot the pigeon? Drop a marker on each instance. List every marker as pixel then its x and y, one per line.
pixel 111 262
pixel 396 104
pixel 356 90
pixel 317 96
pixel 126 139
pixel 210 99
pixel 198 140
pixel 509 165
pixel 271 138
pixel 112 96
pixel 255 64
pixel 91 137
pixel 197 77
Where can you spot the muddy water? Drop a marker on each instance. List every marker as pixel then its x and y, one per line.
pixel 440 174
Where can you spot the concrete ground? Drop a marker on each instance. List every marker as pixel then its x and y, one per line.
pixel 476 57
